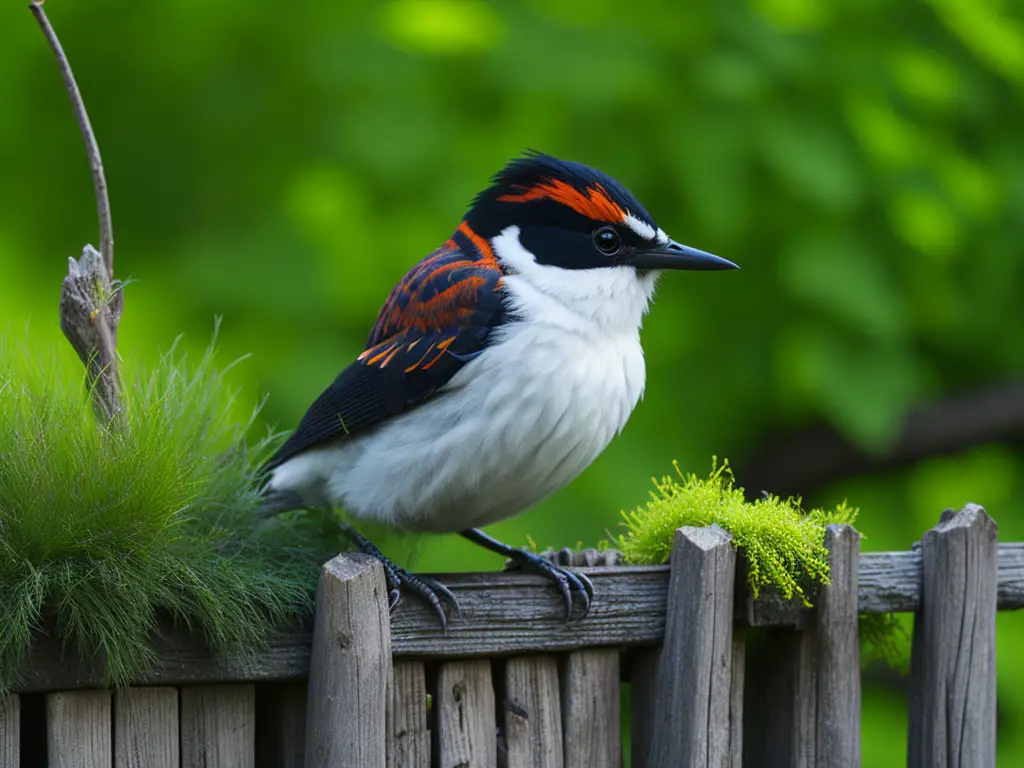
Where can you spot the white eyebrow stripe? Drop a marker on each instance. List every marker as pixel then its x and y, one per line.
pixel 662 237
pixel 642 228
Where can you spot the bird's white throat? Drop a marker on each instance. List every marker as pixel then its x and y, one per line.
pixel 607 300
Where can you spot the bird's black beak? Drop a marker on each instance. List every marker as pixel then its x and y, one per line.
pixel 673 255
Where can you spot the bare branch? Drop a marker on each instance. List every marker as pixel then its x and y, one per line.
pixel 99 181
pixel 91 300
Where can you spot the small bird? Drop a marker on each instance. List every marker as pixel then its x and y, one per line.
pixel 498 369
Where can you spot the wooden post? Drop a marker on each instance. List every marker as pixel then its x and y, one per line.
pixel 281 724
pixel 10 732
pixel 78 729
pixel 803 707
pixel 218 726
pixel 146 728
pixel 350 666
pixel 693 691
pixel 466 722
pixel 408 736
pixel 533 713
pixel 590 709
pixel 953 656
pixel 837 638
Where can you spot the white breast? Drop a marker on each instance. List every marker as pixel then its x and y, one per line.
pixel 513 426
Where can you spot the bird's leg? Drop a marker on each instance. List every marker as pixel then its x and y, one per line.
pixel 431 590
pixel 569 582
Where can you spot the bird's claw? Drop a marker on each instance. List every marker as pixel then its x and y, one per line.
pixel 430 589
pixel 569 582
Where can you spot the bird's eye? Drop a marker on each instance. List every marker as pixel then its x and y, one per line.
pixel 607 241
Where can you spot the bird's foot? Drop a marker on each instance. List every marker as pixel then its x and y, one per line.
pixel 570 583
pixel 430 589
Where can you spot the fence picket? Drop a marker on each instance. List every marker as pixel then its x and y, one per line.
pixel 146 728
pixel 693 690
pixel 350 666
pixel 218 726
pixel 78 729
pixel 10 732
pixel 953 655
pixel 466 722
pixel 590 709
pixel 533 713
pixel 408 736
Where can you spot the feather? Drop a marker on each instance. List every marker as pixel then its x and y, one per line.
pixel 437 319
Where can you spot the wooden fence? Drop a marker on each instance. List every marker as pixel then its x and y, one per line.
pixel 513 685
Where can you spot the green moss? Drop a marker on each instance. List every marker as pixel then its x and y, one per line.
pixel 784 546
pixel 106 533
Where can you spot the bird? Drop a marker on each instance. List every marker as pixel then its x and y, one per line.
pixel 498 369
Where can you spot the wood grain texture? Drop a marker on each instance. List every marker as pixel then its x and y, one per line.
pixel 836 639
pixel 408 736
pixel 953 655
pixel 643 678
pixel 693 690
pixel 78 733
pixel 533 713
pixel 281 725
pixel 10 732
pixel 739 673
pixel 804 693
pixel 350 668
pixel 146 728
pixel 218 726
pixel 506 614
pixel 466 722
pixel 590 709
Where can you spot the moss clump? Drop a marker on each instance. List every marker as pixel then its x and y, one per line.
pixel 784 545
pixel 106 532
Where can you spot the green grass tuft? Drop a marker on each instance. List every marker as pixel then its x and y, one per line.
pixel 784 545
pixel 104 534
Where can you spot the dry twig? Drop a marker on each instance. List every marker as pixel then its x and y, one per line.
pixel 91 300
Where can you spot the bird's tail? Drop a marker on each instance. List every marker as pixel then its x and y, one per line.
pixel 275 502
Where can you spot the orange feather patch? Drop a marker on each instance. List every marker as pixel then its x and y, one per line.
pixel 592 202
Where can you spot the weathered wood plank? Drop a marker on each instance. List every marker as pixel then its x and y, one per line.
pixel 466 722
pixel 837 655
pixel 804 691
pixel 10 732
pixel 694 687
pixel 218 726
pixel 281 725
pixel 503 614
pixel 350 667
pixel 643 678
pixel 146 728
pixel 78 729
pixel 590 709
pixel 533 713
pixel 408 736
pixel 739 672
pixel 953 654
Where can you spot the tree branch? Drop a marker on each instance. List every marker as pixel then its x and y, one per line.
pixel 99 180
pixel 91 300
pixel 802 462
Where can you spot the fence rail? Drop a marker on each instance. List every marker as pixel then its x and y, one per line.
pixel 717 679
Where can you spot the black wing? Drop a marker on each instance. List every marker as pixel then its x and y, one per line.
pixel 436 319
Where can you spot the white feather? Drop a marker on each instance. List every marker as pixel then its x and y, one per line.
pixel 514 425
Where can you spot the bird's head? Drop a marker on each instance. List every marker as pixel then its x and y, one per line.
pixel 570 216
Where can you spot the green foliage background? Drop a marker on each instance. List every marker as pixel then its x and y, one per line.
pixel 283 164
